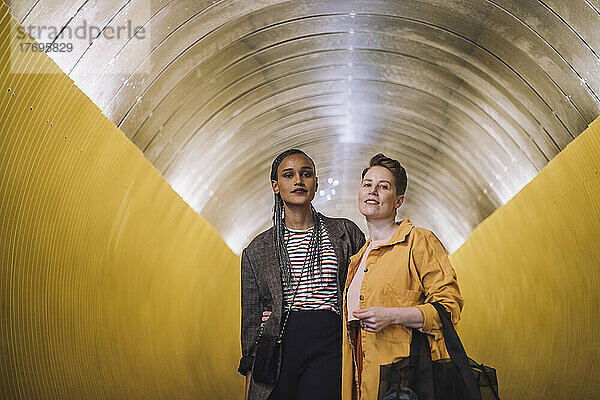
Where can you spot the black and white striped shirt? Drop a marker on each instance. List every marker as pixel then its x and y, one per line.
pixel 320 291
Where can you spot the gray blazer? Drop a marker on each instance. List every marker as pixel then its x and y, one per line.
pixel 262 288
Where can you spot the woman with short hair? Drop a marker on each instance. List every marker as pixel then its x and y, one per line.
pixel 391 282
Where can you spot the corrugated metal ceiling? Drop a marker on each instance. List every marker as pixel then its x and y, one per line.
pixel 474 97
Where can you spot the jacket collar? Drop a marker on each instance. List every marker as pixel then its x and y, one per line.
pixel 334 228
pixel 268 257
pixel 336 236
pixel 401 233
pixel 399 236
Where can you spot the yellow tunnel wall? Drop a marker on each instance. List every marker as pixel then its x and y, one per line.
pixel 530 275
pixel 111 286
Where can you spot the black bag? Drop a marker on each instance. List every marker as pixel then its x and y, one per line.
pixel 418 377
pixel 265 359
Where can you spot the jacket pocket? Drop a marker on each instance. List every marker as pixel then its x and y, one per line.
pixel 394 296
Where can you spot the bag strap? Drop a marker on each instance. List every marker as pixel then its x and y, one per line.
pixel 488 378
pixel 420 362
pixel 457 352
pixel 289 310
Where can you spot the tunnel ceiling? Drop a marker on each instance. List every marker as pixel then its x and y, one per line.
pixel 474 97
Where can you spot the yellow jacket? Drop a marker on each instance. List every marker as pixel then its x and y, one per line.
pixel 412 269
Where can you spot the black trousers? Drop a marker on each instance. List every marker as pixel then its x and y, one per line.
pixel 311 367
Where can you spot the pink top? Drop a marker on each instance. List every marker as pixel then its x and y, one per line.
pixel 354 288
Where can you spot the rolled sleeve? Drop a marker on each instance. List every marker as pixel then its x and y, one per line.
pixel 439 282
pixel 430 325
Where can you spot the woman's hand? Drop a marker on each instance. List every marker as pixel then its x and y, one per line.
pixel 374 319
pixel 265 317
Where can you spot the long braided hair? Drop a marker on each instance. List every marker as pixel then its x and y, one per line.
pixel 315 245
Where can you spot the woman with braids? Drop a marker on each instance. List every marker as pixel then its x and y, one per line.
pixel 292 279
pixel 391 284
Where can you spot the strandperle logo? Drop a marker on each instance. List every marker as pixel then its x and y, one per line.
pixel 84 31
pixel 89 47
